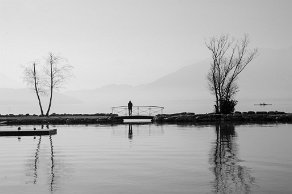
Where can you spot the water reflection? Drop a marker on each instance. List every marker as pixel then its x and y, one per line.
pixel 230 176
pixel 36 160
pixel 52 165
pixel 130 133
pixel 35 168
pixel 135 130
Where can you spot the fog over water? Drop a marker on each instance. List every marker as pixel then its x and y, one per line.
pixel 176 106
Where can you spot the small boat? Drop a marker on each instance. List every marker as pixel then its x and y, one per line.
pixel 263 104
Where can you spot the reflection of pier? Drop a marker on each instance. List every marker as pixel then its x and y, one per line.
pixel 230 176
pixel 137 130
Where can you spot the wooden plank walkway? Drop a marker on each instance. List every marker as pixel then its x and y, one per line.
pixel 29 132
pixel 135 117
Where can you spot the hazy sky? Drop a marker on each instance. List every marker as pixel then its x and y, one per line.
pixel 130 41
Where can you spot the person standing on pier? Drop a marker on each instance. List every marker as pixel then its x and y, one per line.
pixel 130 106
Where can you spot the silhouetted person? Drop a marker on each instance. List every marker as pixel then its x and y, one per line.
pixel 130 106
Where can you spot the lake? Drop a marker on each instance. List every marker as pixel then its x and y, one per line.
pixel 149 158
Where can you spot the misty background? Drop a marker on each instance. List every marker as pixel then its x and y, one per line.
pixel 150 52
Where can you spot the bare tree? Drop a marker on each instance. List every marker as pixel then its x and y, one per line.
pixel 57 72
pixel 54 74
pixel 33 79
pixel 229 59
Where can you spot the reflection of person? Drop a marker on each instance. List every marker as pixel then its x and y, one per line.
pixel 130 106
pixel 130 134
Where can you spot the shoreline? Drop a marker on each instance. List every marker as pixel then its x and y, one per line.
pixel 177 118
pixel 238 117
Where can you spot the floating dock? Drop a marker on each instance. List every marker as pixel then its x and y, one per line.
pixel 29 132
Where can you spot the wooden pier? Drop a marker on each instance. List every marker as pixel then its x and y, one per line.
pixel 136 117
pixel 139 114
pixel 29 132
pixel 138 110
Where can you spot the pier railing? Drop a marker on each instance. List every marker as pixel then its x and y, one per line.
pixel 138 110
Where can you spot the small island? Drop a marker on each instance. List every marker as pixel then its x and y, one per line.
pixel 176 118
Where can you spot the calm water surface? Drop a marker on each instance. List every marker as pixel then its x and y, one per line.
pixel 150 159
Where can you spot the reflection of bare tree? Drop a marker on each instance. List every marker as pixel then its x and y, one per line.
pixel 53 165
pixel 230 176
pixel 37 160
pixel 35 167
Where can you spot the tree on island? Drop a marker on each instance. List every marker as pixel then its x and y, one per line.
pixel 229 59
pixel 33 78
pixel 55 72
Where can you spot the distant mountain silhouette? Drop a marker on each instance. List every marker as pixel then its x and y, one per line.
pixel 266 79
pixel 188 84
pixel 190 80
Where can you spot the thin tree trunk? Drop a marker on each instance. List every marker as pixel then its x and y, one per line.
pixel 215 90
pixel 36 90
pixel 51 96
pixel 217 99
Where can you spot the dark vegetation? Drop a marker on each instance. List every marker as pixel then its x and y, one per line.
pixel 240 117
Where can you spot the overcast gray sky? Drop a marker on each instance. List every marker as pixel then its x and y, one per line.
pixel 130 41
